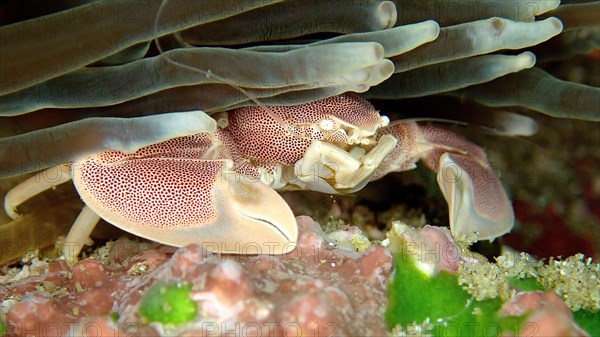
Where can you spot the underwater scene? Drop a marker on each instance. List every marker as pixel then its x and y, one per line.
pixel 300 168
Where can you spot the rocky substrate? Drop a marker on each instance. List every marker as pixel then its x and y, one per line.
pixel 325 287
pixel 318 289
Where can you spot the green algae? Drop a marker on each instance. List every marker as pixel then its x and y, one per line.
pixel 425 299
pixel 588 321
pixel 168 303
pixel 526 284
pixel 114 316
pixel 438 305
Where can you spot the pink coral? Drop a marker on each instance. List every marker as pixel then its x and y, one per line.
pixel 433 247
pixel 317 289
pixel 550 315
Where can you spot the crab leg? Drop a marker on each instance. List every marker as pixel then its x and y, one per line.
pixel 80 233
pixel 476 199
pixel 35 185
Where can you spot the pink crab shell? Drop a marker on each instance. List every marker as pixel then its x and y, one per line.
pixel 261 137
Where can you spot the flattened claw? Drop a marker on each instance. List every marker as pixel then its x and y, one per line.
pixel 476 199
pixel 180 202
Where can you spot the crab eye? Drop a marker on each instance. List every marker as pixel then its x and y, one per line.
pixel 385 121
pixel 327 124
pixel 222 120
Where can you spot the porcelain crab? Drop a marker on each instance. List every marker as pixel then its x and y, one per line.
pixel 218 189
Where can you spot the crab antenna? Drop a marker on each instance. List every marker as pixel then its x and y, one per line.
pixel 209 74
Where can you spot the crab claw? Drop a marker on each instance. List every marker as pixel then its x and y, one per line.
pixel 476 199
pixel 181 201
